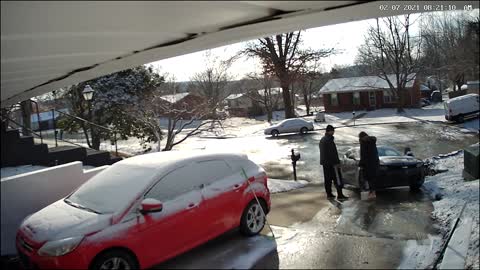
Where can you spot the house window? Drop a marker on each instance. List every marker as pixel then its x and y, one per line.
pixel 356 98
pixel 334 99
pixel 387 97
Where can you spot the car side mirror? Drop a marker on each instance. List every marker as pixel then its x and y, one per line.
pixel 150 205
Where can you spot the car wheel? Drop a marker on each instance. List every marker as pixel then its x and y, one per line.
pixel 416 186
pixel 253 220
pixel 460 119
pixel 304 130
pixel 274 133
pixel 115 259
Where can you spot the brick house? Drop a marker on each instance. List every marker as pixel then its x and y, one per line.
pixel 185 101
pixel 366 93
pixel 243 105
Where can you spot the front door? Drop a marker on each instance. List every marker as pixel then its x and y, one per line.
pixel 372 97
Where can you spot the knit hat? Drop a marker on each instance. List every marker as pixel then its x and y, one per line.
pixel 330 128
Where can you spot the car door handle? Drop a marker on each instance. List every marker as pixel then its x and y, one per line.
pixel 192 205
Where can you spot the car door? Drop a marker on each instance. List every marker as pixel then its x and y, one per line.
pixel 290 126
pixel 349 167
pixel 222 193
pixel 170 231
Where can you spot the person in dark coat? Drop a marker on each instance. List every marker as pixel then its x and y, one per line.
pixel 369 161
pixel 330 162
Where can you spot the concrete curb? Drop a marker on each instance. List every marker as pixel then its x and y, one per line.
pixel 456 252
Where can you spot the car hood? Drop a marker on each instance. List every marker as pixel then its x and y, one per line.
pixel 398 160
pixel 60 220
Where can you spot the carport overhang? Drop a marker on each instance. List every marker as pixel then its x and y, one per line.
pixel 49 45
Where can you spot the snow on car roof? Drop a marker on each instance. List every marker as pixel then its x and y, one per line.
pixel 162 160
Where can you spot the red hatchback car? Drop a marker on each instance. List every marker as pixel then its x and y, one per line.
pixel 146 209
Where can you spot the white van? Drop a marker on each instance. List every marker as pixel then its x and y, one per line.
pixel 456 109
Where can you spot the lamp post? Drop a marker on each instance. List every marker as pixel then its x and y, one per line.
pixel 88 96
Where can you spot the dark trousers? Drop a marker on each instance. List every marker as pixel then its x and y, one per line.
pixel 370 176
pixel 329 175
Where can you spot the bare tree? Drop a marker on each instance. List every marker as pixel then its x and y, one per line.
pixel 309 81
pixel 281 55
pixel 450 45
pixel 211 82
pixel 182 120
pixel 390 49
pixel 268 96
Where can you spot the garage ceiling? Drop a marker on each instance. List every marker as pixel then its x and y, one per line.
pixel 51 44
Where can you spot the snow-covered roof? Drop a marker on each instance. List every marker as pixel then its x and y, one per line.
pixel 261 92
pixel 234 96
pixel 357 84
pixel 276 90
pixel 175 97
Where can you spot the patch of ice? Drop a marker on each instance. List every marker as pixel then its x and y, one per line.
pixel 277 185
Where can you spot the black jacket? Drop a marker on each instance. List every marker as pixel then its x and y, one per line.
pixel 328 151
pixel 369 160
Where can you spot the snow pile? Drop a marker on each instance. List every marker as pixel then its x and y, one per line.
pixel 277 185
pixel 455 192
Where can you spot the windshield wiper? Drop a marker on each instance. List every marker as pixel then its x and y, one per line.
pixel 80 206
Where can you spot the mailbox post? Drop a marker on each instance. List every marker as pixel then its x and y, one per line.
pixel 295 157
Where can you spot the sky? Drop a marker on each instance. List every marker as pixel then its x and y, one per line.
pixel 345 37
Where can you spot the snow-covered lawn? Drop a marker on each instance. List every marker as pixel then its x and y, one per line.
pixel 455 192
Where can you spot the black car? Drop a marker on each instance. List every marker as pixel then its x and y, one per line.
pixel 396 170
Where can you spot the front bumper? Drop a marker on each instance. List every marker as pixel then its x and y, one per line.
pixel 30 259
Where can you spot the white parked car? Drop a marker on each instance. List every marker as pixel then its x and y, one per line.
pixel 289 126
pixel 456 109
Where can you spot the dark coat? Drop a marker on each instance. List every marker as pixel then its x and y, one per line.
pixel 369 160
pixel 328 151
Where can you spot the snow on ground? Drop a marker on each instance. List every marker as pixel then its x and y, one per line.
pixel 455 192
pixel 277 185
pixel 389 115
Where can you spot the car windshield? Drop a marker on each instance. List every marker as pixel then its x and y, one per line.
pixel 387 151
pixel 112 189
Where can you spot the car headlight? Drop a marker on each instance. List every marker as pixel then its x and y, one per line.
pixel 60 247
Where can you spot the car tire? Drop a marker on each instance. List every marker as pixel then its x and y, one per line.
pixel 416 186
pixel 253 220
pixel 460 119
pixel 303 130
pixel 107 260
pixel 274 133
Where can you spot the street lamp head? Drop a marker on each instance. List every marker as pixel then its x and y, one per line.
pixel 87 93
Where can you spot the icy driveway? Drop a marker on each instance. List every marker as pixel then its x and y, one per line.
pixel 425 139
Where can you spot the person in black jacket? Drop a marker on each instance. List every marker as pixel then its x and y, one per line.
pixel 369 161
pixel 330 162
